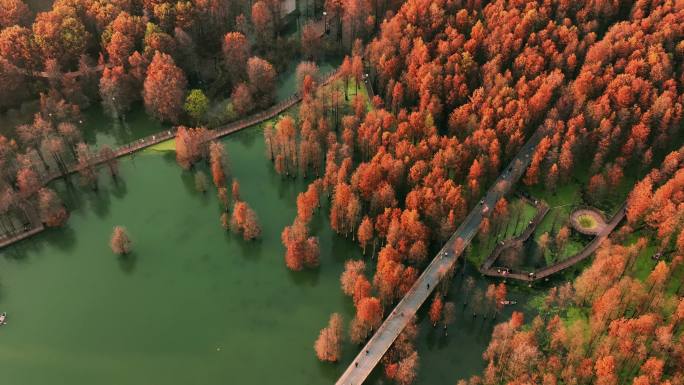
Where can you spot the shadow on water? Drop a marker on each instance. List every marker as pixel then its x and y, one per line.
pixel 330 371
pixel 308 277
pixel 127 262
pixel 63 238
pixel 251 250
pixel 119 187
pixel 248 138
pixel 338 242
pixel 19 251
pixel 100 201
pixel 188 181
pixel 169 156
pixel 286 187
pixel 101 129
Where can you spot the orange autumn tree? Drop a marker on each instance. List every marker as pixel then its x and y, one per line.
pixel 164 89
pixel 301 250
pixel 365 233
pixel 191 145
pixel 120 242
pixel 13 12
pixel 435 312
pixel 368 318
pixel 328 344
pixel 236 51
pixel 218 161
pixel 52 211
pixel 244 221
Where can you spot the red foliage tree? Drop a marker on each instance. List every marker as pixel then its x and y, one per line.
pixel 191 145
pixel 13 12
pixel 218 162
pixel 120 243
pixel 369 312
pixel 52 211
pixel 116 91
pixel 236 51
pixel 301 250
pixel 365 233
pixel 328 344
pixel 244 221
pixel 435 312
pixel 262 78
pixel 164 88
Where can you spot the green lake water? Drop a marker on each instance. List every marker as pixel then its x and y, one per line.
pixel 193 304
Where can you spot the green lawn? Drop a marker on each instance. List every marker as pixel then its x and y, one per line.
pixel 561 203
pixel 587 222
pixel 481 250
pixel 167 145
pixel 644 263
pixel 571 248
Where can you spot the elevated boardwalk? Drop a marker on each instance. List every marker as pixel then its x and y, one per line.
pixel 214 134
pixel 547 271
pixel 16 237
pixel 370 355
pixel 163 136
pixel 542 210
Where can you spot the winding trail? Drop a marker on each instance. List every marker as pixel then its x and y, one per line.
pixel 160 137
pixel 363 364
pixel 542 210
pixel 547 271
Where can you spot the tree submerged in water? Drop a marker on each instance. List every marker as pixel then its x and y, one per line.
pixel 328 344
pixel 244 221
pixel 120 241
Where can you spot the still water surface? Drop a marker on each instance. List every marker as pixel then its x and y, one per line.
pixel 193 304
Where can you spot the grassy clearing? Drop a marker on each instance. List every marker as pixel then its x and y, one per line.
pixel 643 264
pixel 575 314
pixel 165 146
pixel 572 247
pixel 561 205
pixel 565 196
pixel 587 222
pixel 521 213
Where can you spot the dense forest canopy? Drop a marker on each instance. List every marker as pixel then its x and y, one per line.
pixel 433 100
pixel 460 87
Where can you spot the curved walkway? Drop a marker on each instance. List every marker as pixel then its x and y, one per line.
pixel 159 137
pixel 396 321
pixel 547 271
pixel 542 210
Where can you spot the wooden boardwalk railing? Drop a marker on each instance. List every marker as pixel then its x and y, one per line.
pixel 9 239
pixel 542 210
pixel 547 271
pixel 160 137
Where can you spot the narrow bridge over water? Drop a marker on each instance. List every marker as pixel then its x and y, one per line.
pixel 157 138
pixel 363 364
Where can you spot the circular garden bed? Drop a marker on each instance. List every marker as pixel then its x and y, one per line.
pixel 587 221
